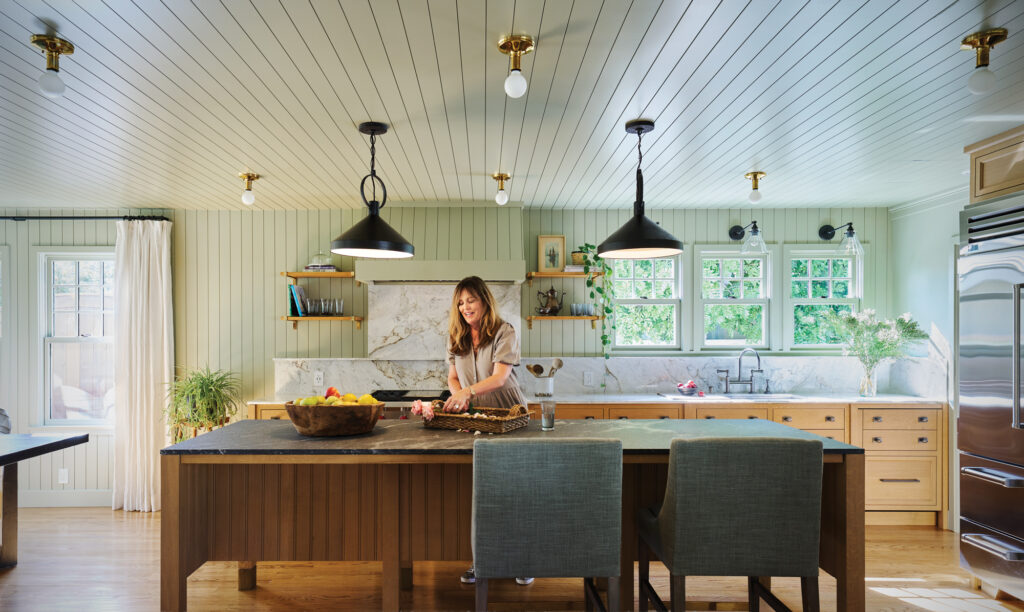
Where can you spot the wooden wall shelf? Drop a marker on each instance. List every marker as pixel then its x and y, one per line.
pixel 532 275
pixel 593 319
pixel 294 276
pixel 295 320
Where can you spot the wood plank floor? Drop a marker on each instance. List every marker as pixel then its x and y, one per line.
pixel 87 559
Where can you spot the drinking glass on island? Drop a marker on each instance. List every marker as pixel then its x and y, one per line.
pixel 547 415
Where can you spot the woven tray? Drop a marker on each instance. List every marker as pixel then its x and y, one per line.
pixel 498 420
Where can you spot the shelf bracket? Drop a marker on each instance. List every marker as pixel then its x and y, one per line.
pixel 529 322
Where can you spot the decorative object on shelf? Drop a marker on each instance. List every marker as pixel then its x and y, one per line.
pixel 550 301
pixel 502 196
pixel 550 253
pixel 372 237
pixel 50 83
pixel 982 80
pixel 248 198
pixel 639 238
pixel 577 260
pixel 874 341
pixel 321 262
pixel 201 400
pixel 755 195
pixel 754 245
pixel 516 46
pixel 597 267
pixel 849 245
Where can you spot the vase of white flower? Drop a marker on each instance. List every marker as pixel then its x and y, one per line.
pixel 875 341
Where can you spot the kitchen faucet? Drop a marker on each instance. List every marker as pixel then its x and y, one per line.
pixel 739 372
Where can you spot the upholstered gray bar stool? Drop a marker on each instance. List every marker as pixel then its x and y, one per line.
pixel 736 507
pixel 548 508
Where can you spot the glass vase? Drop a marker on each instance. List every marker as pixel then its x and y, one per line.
pixel 868 385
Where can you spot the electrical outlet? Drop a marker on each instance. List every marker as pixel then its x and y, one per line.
pixel 62 476
pixel 318 378
pixel 588 379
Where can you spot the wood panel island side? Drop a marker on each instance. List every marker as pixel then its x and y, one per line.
pixel 258 491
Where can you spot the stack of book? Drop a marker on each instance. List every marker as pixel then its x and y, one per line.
pixel 321 268
pixel 572 268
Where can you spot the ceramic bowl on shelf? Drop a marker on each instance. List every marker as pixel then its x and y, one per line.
pixel 334 420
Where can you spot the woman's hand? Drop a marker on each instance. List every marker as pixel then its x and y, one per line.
pixel 459 401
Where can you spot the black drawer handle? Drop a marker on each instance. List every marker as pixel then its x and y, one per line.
pixel 923 440
pixel 277 418
pixel 623 417
pixel 709 417
pixel 830 437
pixel 993 546
pixel 1009 481
pixel 923 419
pixel 752 417
pixel 876 419
pixel 877 440
pixel 900 479
pixel 830 418
pixel 664 417
pixel 787 418
pixel 588 417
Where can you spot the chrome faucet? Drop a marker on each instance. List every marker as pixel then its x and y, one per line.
pixel 739 372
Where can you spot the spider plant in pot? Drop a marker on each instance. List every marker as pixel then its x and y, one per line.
pixel 200 401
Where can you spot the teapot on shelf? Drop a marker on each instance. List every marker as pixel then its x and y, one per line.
pixel 550 301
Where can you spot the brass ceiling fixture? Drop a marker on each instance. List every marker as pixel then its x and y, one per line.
pixel 982 79
pixel 516 46
pixel 755 195
pixel 502 196
pixel 50 83
pixel 248 198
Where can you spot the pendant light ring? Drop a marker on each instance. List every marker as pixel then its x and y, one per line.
pixel 384 191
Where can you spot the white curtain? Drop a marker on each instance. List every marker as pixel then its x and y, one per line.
pixel 145 360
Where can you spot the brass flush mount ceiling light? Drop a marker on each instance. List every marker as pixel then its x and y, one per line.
pixel 50 83
pixel 754 245
pixel 982 79
pixel 248 198
pixel 849 245
pixel 755 195
pixel 372 237
pixel 639 238
pixel 516 46
pixel 502 196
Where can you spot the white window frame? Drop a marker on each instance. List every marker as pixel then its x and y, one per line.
pixel 816 251
pixel 43 257
pixel 769 282
pixel 677 301
pixel 6 312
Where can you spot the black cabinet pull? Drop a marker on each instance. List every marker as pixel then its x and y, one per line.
pixel 623 417
pixel 830 418
pixel 876 439
pixel 588 417
pixel 664 417
pixel 900 479
pixel 752 417
pixel 787 418
pixel 923 419
pixel 277 418
pixel 876 419
pixel 923 440
pixel 709 417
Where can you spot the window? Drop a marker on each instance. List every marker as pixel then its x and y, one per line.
pixel 646 302
pixel 734 291
pixel 78 343
pixel 818 283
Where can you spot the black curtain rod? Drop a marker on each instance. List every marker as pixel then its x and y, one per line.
pixel 108 218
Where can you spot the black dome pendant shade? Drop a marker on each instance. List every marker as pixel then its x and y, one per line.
pixel 639 238
pixel 372 237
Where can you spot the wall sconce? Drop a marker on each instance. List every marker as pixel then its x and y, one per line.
pixel 754 245
pixel 50 83
pixel 502 196
pixel 849 245
pixel 516 46
pixel 754 177
pixel 982 79
pixel 248 198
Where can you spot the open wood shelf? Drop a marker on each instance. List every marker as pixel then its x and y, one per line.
pixel 297 275
pixel 295 320
pixel 593 319
pixel 532 275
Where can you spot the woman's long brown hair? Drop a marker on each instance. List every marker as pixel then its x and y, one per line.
pixel 460 338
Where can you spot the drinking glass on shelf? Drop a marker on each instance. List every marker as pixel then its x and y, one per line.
pixel 325 307
pixel 338 305
pixel 312 307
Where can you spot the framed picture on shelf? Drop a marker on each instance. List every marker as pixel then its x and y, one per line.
pixel 550 253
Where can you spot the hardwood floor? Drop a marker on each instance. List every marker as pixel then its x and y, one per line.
pixel 87 559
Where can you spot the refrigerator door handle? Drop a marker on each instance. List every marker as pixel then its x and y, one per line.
pixel 1015 420
pixel 993 546
pixel 994 476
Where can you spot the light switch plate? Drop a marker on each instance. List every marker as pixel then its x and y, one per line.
pixel 588 379
pixel 318 379
pixel 62 476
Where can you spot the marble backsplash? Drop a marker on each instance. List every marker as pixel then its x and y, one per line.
pixel 918 376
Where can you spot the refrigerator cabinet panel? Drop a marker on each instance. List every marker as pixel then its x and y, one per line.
pixel 992 494
pixel 996 558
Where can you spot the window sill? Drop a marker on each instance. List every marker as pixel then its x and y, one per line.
pixel 45 430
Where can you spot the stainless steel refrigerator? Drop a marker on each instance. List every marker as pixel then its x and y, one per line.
pixel 989 426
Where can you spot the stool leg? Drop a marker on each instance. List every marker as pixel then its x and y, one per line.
pixel 613 594
pixel 809 593
pixel 752 596
pixel 678 593
pixel 644 558
pixel 588 588
pixel 481 594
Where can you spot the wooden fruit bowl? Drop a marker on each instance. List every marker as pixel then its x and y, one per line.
pixel 337 420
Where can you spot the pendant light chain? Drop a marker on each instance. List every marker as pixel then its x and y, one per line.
pixel 373 163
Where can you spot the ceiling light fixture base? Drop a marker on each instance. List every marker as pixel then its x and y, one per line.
pixel 373 128
pixel 248 177
pixel 516 45
pixel 639 126
pixel 982 42
pixel 755 177
pixel 53 47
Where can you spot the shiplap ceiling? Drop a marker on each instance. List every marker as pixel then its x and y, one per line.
pixel 842 103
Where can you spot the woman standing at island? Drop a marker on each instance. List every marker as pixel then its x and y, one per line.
pixel 482 351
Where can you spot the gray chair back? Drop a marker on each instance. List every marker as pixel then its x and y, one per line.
pixel 742 507
pixel 5 422
pixel 547 508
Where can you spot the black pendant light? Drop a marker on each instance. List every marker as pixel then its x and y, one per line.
pixel 639 238
pixel 372 237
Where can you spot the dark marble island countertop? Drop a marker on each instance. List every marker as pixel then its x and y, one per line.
pixel 410 437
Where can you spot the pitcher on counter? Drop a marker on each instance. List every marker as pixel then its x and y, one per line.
pixel 482 352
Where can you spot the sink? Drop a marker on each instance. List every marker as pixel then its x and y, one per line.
pixel 760 396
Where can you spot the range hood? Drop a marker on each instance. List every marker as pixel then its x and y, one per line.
pixel 447 271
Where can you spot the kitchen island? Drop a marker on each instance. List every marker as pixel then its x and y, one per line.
pixel 257 490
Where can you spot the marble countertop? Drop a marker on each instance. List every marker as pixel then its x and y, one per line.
pixel 393 437
pixel 781 398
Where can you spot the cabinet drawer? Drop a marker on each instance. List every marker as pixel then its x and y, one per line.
pixel 732 413
pixel 811 418
pixel 896 418
pixel 668 412
pixel 578 412
pixel 901 483
pixel 992 493
pixel 273 413
pixel 900 439
pixel 831 434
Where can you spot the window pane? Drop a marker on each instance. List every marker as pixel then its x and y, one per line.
pixel 623 289
pixel 90 325
pixel 751 290
pixel 643 268
pixel 712 289
pixel 712 268
pixel 663 289
pixel 108 325
pixel 752 268
pixel 810 325
pixel 65 324
pixel 108 273
pixel 731 290
pixel 819 268
pixel 90 272
pixel 731 268
pixel 645 324
pixel 81 380
pixel 65 273
pixel 733 323
pixel 841 268
pixel 644 288
pixel 840 289
pixel 819 289
pixel 664 268
pixel 799 289
pixel 623 268
pixel 799 268
pixel 64 298
pixel 89 298
pixel 108 303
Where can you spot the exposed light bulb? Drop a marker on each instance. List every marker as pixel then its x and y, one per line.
pixel 850 245
pixel 501 197
pixel 754 244
pixel 50 84
pixel 248 197
pixel 982 81
pixel 515 84
pixel 755 196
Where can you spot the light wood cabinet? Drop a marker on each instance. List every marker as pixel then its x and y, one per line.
pixel 268 411
pixel 726 411
pixel 643 412
pixel 997 165
pixel 816 418
pixel 571 411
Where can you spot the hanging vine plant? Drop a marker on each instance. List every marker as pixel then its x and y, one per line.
pixel 598 281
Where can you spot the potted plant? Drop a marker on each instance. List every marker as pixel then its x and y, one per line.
pixel 201 400
pixel 598 281
pixel 873 341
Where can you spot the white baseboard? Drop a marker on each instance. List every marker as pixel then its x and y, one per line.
pixel 68 498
